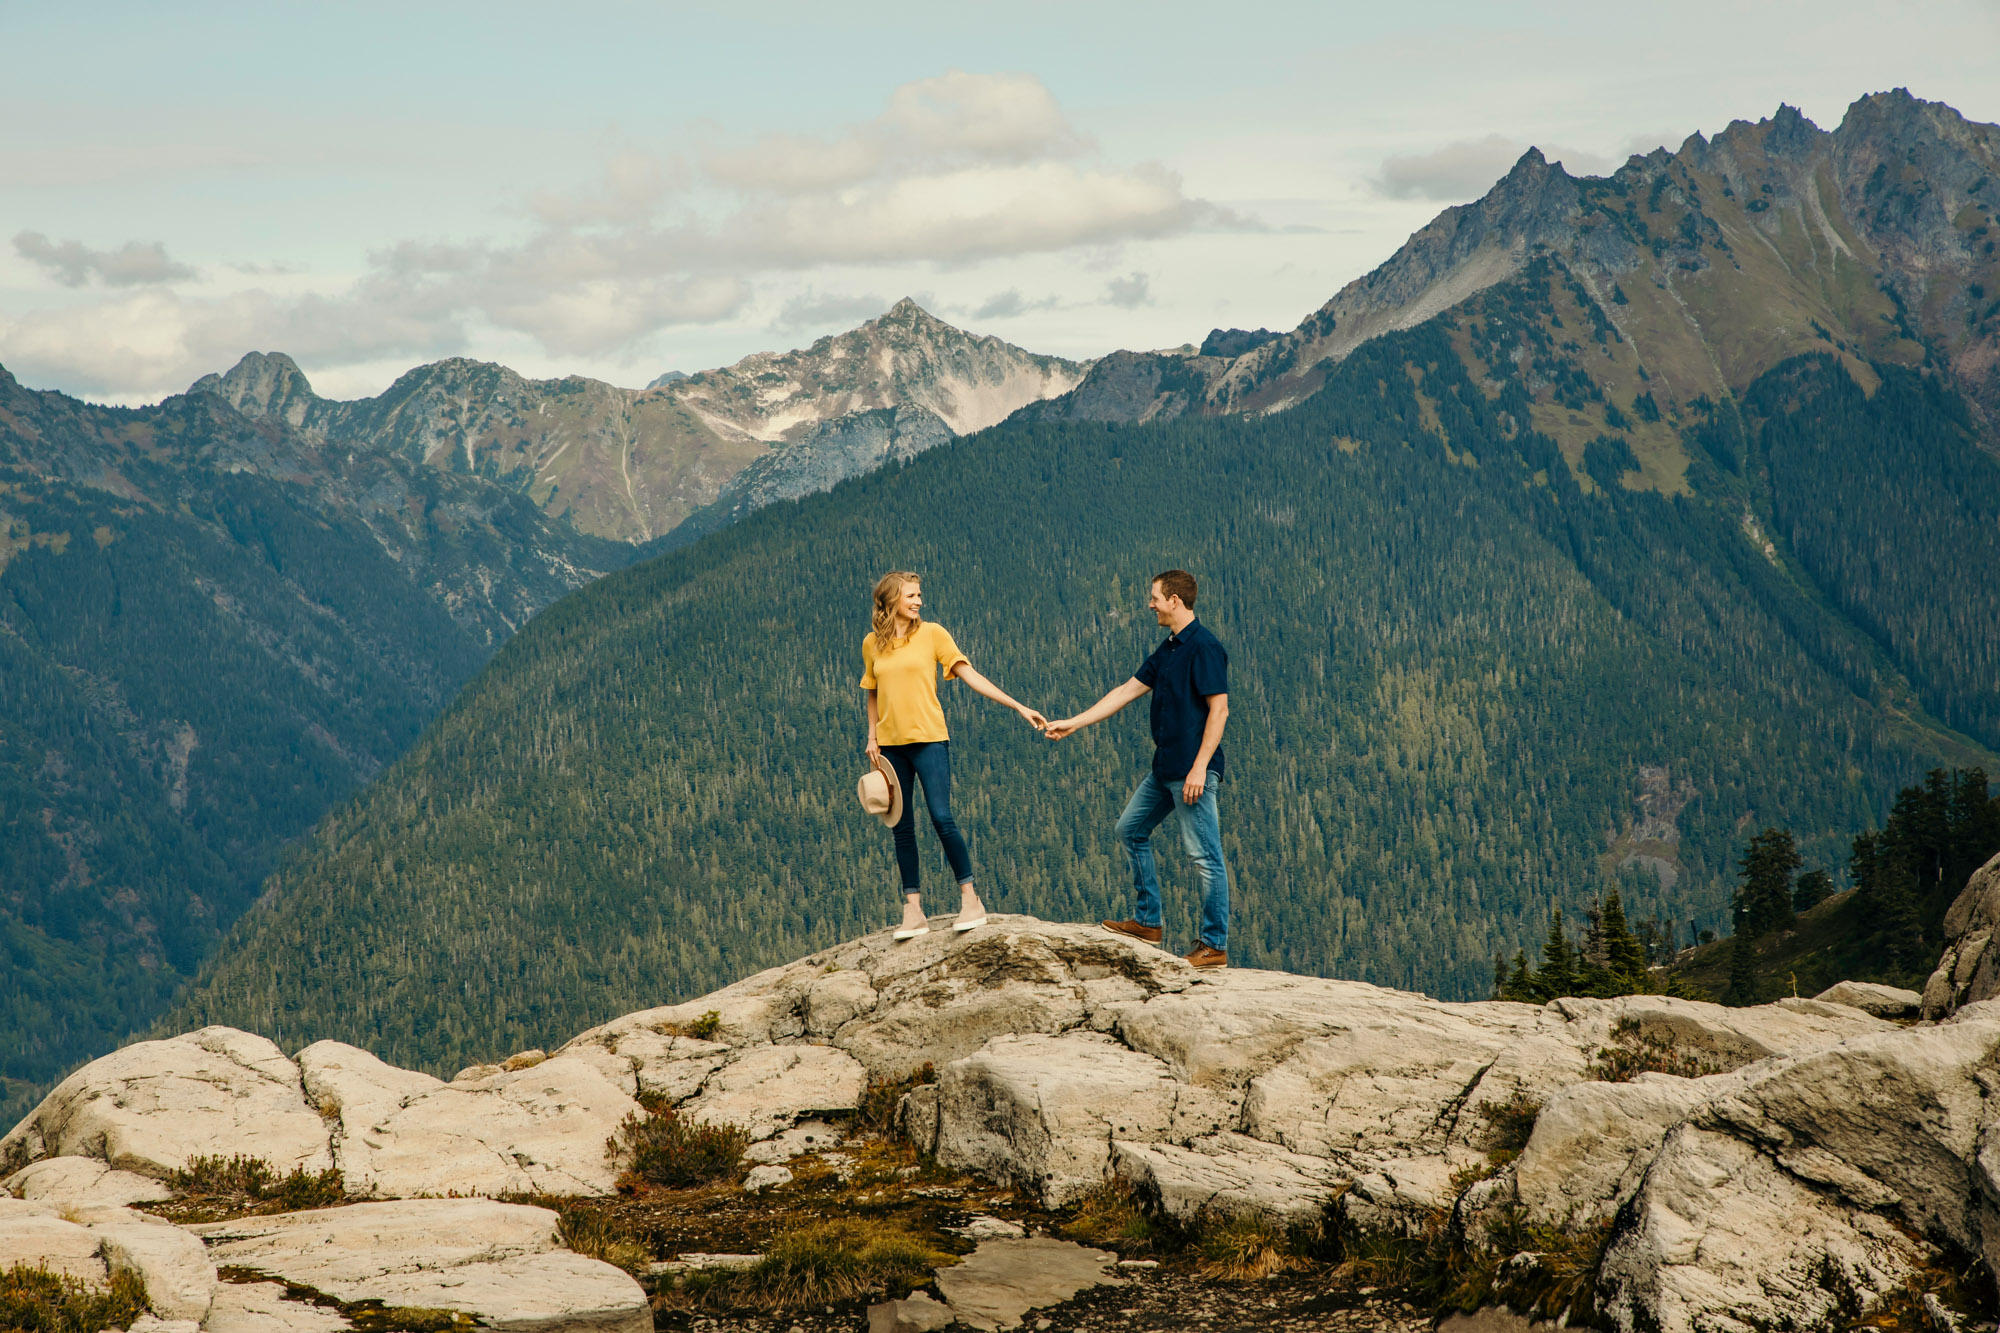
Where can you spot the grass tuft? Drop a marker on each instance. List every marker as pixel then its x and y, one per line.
pixel 1111 1215
pixel 819 1263
pixel 1245 1248
pixel 1509 1125
pixel 701 1029
pixel 659 1149
pixel 597 1234
pixel 880 1103
pixel 35 1300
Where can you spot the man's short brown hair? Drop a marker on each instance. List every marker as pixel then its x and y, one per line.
pixel 1177 583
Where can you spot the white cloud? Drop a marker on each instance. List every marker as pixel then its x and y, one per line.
pixel 956 170
pixel 811 310
pixel 943 122
pixel 1467 168
pixel 1129 292
pixel 73 264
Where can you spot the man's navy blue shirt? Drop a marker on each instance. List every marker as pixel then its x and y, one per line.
pixel 1182 672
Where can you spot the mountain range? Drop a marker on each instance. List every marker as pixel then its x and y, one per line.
pixel 1610 520
pixel 220 615
pixel 1668 477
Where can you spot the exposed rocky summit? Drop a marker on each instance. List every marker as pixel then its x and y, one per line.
pixel 1718 261
pixel 634 464
pixel 1818 1158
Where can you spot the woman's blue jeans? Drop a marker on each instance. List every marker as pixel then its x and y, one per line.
pixel 1201 836
pixel 931 762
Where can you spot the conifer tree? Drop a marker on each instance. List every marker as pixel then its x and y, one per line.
pixel 1763 902
pixel 1744 987
pixel 1558 975
pixel 1624 956
pixel 1813 888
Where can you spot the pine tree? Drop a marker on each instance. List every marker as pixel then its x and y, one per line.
pixel 1744 987
pixel 1558 975
pixel 1763 903
pixel 1624 956
pixel 1813 888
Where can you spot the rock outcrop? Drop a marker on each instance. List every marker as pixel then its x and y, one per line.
pixel 1829 1158
pixel 1969 972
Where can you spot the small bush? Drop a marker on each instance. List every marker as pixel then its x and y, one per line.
pixel 878 1106
pixel 660 1149
pixel 592 1232
pixel 1111 1215
pixel 245 1180
pixel 1632 1053
pixel 407 1319
pixel 35 1300
pixel 1244 1248
pixel 820 1263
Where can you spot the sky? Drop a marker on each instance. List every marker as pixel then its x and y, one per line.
pixel 618 189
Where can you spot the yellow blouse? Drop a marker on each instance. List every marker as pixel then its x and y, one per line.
pixel 905 683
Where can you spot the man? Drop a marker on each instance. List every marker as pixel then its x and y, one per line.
pixel 1188 677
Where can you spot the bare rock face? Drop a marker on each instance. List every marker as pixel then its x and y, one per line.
pixel 499 1262
pixel 1969 972
pixel 1873 998
pixel 1823 1156
pixel 155 1105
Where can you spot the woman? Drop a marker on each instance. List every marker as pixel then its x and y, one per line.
pixel 900 660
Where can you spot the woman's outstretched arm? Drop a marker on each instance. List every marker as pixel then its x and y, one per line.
pixel 980 685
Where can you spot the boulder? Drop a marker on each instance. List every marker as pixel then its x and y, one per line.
pixel 499 1262
pixel 1969 971
pixel 1041 1111
pixel 156 1105
pixel 918 1314
pixel 1592 1143
pixel 1873 998
pixel 835 999
pixel 1229 1175
pixel 766 1089
pixel 1722 1037
pixel 83 1182
pixel 179 1276
pixel 531 1131
pixel 261 1307
pixel 996 1285
pixel 32 1235
pixel 357 1092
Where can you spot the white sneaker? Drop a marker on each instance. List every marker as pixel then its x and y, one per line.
pixel 965 923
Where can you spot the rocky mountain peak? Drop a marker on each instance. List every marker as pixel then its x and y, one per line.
pixel 263 384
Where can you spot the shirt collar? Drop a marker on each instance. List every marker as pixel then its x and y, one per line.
pixel 1181 634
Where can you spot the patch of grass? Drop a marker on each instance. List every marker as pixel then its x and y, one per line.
pixel 216 1187
pixel 658 1149
pixel 830 1261
pixel 1632 1053
pixel 36 1300
pixel 880 1103
pixel 1112 1216
pixel 1508 1126
pixel 701 1029
pixel 598 1234
pixel 1545 1272
pixel 366 1316
pixel 1246 1247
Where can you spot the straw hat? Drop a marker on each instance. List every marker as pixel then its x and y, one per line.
pixel 881 795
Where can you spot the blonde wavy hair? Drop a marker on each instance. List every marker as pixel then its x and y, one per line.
pixel 888 590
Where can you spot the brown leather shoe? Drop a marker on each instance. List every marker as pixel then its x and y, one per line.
pixel 1150 934
pixel 1203 956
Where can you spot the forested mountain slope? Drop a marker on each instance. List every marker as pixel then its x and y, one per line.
pixel 1502 631
pixel 211 629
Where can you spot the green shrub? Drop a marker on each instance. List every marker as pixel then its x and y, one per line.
pixel 878 1106
pixel 251 1181
pixel 35 1300
pixel 1632 1053
pixel 1509 1125
pixel 701 1029
pixel 660 1149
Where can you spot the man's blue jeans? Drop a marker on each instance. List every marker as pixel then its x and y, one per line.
pixel 1201 835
